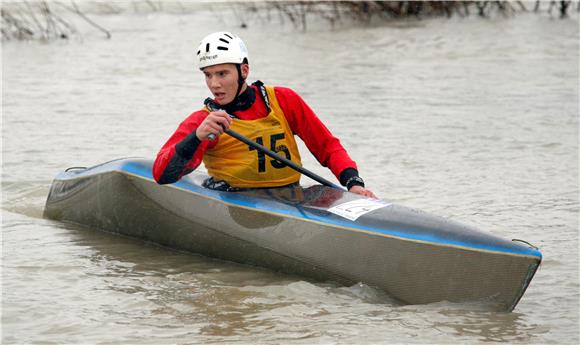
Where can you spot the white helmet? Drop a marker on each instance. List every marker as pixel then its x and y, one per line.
pixel 221 47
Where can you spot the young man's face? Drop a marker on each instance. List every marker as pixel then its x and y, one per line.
pixel 222 81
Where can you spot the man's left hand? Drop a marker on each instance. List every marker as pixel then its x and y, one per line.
pixel 362 191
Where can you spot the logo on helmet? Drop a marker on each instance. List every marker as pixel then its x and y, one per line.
pixel 208 57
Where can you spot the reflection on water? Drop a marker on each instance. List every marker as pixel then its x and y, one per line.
pixel 473 120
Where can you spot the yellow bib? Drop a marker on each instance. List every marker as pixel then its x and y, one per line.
pixel 245 167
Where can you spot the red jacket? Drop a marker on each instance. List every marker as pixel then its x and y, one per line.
pixel 302 120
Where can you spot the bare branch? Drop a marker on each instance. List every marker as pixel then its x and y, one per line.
pixel 76 10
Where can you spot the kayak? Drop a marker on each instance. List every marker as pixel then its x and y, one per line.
pixel 319 232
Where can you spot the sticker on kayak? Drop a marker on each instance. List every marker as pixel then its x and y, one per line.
pixel 356 208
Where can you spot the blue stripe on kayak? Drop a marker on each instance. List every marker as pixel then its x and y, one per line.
pixel 274 207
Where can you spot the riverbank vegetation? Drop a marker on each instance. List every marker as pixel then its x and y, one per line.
pixel 366 12
pixel 51 20
pixel 44 20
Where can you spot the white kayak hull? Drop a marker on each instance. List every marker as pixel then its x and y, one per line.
pixel 415 257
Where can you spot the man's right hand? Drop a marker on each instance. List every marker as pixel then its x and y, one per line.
pixel 215 123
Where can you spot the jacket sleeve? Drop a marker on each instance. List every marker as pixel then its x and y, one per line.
pixel 182 153
pixel 320 141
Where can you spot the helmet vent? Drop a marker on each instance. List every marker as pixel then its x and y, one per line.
pixel 198 52
pixel 225 41
pixel 222 48
pixel 207 48
pixel 229 36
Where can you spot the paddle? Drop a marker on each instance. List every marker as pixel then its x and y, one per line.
pixel 272 154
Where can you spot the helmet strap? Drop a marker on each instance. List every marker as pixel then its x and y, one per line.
pixel 241 80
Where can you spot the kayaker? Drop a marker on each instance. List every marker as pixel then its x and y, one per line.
pixel 270 115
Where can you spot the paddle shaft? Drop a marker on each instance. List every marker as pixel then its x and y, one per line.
pixel 279 158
